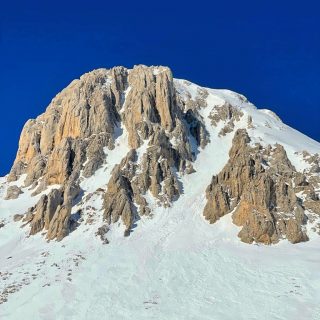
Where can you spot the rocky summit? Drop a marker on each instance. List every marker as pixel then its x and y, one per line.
pixel 136 157
pixel 165 126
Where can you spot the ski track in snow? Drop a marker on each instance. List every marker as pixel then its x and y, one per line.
pixel 174 265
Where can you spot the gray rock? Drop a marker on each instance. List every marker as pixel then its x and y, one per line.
pixel 13 192
pixel 17 217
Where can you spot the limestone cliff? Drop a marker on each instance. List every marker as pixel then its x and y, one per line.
pixel 69 139
pixel 259 185
pixel 167 124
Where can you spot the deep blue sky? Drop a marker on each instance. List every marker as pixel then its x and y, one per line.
pixel 268 51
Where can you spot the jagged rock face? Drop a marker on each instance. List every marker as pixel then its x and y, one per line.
pixel 51 214
pixel 59 226
pixel 165 130
pixel 82 114
pixel 259 185
pixel 151 100
pixel 45 210
pixel 228 114
pixel 13 192
pixel 197 128
pixel 69 139
pixel 131 180
pixel 118 200
pixel 152 113
pixel 82 119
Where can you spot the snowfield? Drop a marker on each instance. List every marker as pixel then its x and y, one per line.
pixel 174 265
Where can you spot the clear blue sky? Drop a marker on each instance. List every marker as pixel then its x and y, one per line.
pixel 266 50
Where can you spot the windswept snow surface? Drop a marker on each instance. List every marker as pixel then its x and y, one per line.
pixel 174 265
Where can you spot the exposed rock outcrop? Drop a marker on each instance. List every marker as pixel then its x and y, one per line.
pixel 52 214
pixel 13 192
pixel 228 114
pixel 83 115
pixel 130 181
pixel 17 217
pixel 59 226
pixel 70 138
pixel 150 100
pixel 152 114
pixel 258 185
pixel 101 233
pixel 45 210
pixel 165 127
pixel 118 200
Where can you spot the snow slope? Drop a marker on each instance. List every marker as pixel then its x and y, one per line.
pixel 174 265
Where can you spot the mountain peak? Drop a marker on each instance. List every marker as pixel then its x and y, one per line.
pixel 164 125
pixel 133 178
